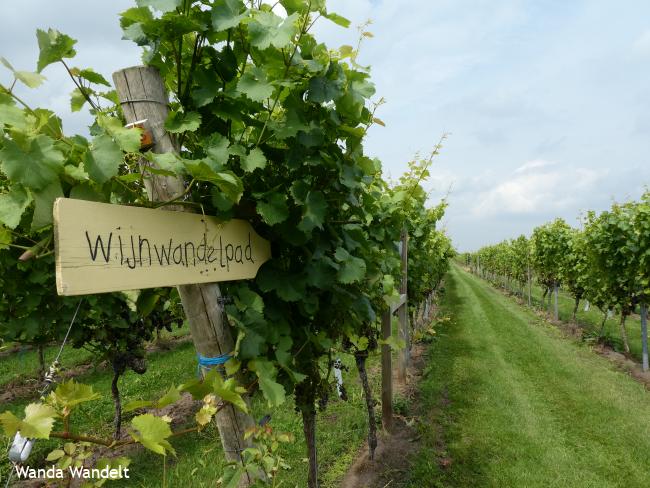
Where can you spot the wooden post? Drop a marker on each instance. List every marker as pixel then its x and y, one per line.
pixel 644 335
pixel 530 284
pixel 142 95
pixel 556 292
pixel 386 374
pixel 403 316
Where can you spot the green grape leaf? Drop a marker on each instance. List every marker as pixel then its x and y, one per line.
pixel 13 205
pixel 273 392
pixel 136 404
pixel 197 388
pixel 227 15
pixel 337 19
pixel 167 162
pixel 299 191
pixel 152 432
pixel 86 191
pixel 178 122
pixel 55 455
pixel 37 424
pixel 253 83
pixel 160 5
pixel 14 116
pixel 228 391
pixel 172 396
pixel 266 372
pixel 217 148
pixel 323 90
pixel 10 423
pixel 267 29
pixel 292 6
pixel 53 47
pixel 77 100
pixel 204 416
pixel 127 139
pixel 36 167
pixel 43 204
pixel 231 477
pixel 352 269
pixel 5 237
pixel 320 273
pixel 313 211
pixel 30 79
pixel 246 298
pixel 135 33
pixel 273 208
pixel 38 421
pixel 94 77
pixel 227 181
pixel 233 364
pixel 253 160
pixel 70 393
pixel 103 160
pixel 207 89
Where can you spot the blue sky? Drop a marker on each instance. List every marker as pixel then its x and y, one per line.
pixel 547 102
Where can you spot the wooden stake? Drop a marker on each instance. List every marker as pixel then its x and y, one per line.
pixel 402 314
pixel 142 94
pixel 386 374
pixel 530 285
pixel 644 335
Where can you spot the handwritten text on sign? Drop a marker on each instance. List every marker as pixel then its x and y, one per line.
pixel 102 247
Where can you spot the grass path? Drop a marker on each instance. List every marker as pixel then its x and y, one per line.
pixel 520 406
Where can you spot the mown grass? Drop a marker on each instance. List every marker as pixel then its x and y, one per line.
pixel 342 427
pixel 519 405
pixel 591 320
pixel 24 363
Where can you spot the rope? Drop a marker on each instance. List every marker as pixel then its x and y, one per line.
pixel 65 339
pixel 207 363
pixel 10 475
pixel 49 376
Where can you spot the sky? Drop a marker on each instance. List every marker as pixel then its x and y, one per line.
pixel 546 102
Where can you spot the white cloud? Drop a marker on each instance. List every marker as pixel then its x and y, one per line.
pixel 534 165
pixel 535 187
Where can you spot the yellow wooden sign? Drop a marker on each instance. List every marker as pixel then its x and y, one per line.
pixel 103 247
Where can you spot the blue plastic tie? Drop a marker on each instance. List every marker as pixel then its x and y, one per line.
pixel 207 363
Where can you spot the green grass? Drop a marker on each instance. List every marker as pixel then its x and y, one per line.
pixel 23 364
pixel 526 407
pixel 591 320
pixel 342 427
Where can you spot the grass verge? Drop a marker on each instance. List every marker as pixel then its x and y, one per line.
pixel 511 403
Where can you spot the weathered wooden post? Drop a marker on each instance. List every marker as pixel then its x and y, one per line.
pixel 386 374
pixel 403 316
pixel 530 285
pixel 644 335
pixel 142 95
pixel 556 292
